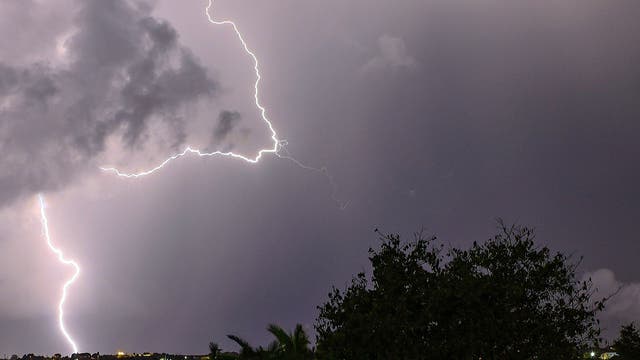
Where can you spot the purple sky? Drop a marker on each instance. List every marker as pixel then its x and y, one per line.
pixel 428 113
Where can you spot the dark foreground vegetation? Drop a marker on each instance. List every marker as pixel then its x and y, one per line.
pixel 506 298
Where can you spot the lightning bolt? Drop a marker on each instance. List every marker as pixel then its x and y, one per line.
pixel 61 258
pixel 278 148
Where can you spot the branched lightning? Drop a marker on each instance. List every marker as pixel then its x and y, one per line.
pixel 61 258
pixel 278 148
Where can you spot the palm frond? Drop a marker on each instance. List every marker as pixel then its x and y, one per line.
pixel 283 338
pixel 300 339
pixel 246 349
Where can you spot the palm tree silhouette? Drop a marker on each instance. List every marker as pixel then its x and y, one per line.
pixel 291 345
pixel 286 346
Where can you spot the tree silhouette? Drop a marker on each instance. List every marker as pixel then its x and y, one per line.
pixel 504 298
pixel 214 351
pixel 628 344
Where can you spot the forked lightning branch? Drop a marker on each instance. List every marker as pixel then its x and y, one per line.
pixel 278 148
pixel 263 113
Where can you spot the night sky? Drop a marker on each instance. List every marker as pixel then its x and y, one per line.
pixel 433 114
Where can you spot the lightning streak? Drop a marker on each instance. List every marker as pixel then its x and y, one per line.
pixel 278 148
pixel 61 258
pixel 263 114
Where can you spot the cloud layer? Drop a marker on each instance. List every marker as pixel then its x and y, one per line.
pixel 118 71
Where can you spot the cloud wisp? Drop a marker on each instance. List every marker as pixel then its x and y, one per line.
pixel 392 54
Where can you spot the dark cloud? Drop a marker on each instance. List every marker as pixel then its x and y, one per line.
pixel 227 121
pixel 33 86
pixel 124 70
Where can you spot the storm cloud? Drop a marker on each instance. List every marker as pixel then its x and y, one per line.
pixel 227 121
pixel 118 72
